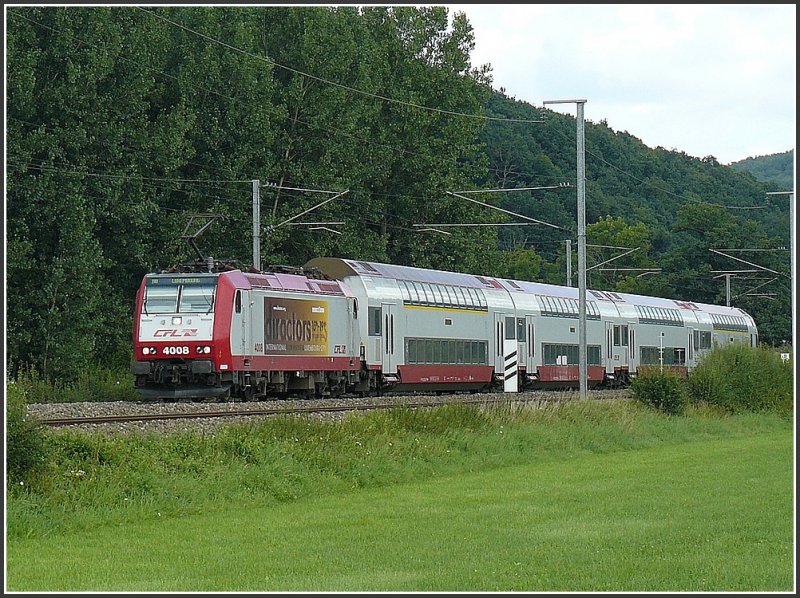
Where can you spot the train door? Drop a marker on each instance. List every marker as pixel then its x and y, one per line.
pixel 388 361
pixel 610 347
pixel 352 331
pixel 240 323
pixel 530 359
pixel 690 349
pixel 522 343
pixel 507 353
pixel 631 346
pixel 247 328
pixel 618 339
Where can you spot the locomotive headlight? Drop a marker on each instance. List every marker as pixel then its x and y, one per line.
pixel 176 321
pixel 206 349
pixel 145 351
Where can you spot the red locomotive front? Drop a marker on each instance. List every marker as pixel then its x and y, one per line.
pixel 176 351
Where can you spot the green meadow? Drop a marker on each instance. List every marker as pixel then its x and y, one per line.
pixel 599 496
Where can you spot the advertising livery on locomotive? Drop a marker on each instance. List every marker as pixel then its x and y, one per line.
pixel 345 326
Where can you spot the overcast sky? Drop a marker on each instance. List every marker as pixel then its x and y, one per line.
pixel 702 79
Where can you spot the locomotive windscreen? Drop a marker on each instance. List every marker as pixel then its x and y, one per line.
pixel 180 294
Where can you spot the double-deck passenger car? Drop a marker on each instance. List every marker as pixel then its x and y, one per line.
pixel 430 329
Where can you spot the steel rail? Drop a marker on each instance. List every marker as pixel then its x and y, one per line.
pixel 103 419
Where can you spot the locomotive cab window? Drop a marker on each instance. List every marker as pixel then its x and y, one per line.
pixel 238 302
pixel 196 299
pixel 161 300
pixel 164 295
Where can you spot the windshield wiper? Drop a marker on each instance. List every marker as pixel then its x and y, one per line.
pixel 211 303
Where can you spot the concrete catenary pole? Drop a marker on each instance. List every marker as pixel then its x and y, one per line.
pixel 569 262
pixel 581 252
pixel 581 180
pixel 257 224
pixel 727 290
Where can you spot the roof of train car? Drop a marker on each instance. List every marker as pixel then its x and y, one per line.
pixel 288 282
pixel 538 288
pixel 337 267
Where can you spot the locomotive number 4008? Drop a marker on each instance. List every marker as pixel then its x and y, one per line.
pixel 176 350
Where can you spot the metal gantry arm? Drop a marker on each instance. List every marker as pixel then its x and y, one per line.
pixel 613 258
pixel 431 229
pixel 476 224
pixel 269 228
pixel 755 288
pixel 272 227
pixel 509 212
pixel 749 263
pixel 559 186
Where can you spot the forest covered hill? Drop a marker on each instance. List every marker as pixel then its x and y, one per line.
pixel 772 168
pixel 124 122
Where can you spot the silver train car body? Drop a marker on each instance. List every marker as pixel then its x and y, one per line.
pixel 434 330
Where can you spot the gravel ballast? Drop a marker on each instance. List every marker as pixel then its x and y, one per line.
pixel 43 411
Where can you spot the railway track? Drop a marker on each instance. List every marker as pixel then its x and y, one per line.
pixel 538 398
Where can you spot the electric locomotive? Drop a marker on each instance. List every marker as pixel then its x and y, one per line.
pixel 234 333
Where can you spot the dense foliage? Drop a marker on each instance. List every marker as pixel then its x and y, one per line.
pixel 25 445
pixel 734 378
pixel 738 378
pixel 661 390
pixel 122 122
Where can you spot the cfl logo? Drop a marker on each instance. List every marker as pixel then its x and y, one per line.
pixel 174 332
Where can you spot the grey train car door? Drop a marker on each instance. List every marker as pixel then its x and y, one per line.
pixel 388 360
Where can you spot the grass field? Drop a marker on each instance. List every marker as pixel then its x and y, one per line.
pixel 626 503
